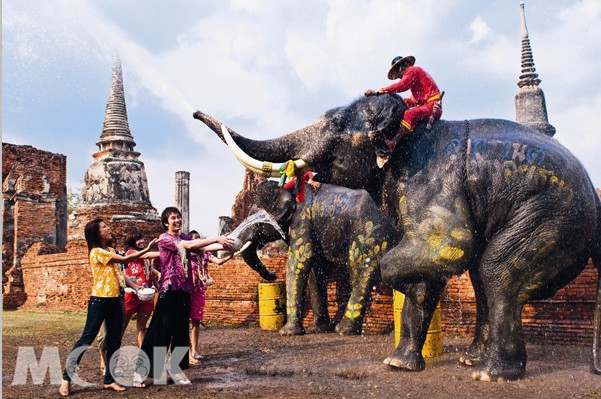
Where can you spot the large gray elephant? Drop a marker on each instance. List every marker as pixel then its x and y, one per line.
pixel 494 197
pixel 334 227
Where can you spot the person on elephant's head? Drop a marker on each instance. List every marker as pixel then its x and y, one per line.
pixel 421 105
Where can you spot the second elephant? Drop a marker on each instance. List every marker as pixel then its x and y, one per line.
pixel 333 227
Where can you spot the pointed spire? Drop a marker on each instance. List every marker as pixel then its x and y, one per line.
pixel 528 77
pixel 530 105
pixel 116 176
pixel 116 125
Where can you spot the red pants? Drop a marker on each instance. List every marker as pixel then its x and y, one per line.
pixel 133 305
pixel 419 114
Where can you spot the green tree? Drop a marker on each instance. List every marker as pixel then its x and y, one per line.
pixel 73 199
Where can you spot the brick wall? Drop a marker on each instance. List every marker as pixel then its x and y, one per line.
pixel 57 282
pixel 34 195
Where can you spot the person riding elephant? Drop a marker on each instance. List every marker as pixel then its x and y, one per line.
pixel 493 197
pixel 424 96
pixel 332 228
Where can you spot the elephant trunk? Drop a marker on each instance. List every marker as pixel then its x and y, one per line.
pixel 252 259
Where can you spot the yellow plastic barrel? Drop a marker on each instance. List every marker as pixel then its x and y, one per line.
pixel 433 345
pixel 272 305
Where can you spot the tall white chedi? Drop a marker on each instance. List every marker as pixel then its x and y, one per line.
pixel 116 175
pixel 530 105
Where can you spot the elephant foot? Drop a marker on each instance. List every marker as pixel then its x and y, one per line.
pixel 472 355
pixel 498 374
pixel 466 361
pixel 412 361
pixel 292 329
pixel 319 327
pixel 348 327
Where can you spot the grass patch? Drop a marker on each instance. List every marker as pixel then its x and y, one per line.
pixel 17 323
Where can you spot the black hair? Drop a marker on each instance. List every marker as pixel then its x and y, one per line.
pixel 131 238
pixel 192 232
pixel 92 234
pixel 165 215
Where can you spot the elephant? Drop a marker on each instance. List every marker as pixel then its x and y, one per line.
pixel 333 227
pixel 508 204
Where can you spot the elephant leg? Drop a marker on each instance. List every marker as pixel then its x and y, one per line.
pixel 300 259
pixel 474 352
pixel 505 355
pixel 516 267
pixel 318 286
pixel 505 272
pixel 420 302
pixel 362 281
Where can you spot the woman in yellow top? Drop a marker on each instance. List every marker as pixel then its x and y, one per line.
pixel 104 304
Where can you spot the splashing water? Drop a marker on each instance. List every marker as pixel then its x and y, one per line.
pixel 260 217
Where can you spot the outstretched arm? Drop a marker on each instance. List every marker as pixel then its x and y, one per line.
pixel 201 243
pixel 150 255
pixel 133 255
pixel 220 261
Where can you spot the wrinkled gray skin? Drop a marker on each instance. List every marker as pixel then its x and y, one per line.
pixel 494 197
pixel 334 228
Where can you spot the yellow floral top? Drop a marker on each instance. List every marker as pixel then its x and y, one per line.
pixel 107 275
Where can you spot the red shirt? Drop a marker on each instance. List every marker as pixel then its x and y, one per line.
pixel 140 270
pixel 420 83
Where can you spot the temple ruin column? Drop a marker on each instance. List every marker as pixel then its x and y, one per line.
pixel 182 198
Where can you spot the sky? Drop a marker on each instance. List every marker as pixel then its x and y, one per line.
pixel 267 67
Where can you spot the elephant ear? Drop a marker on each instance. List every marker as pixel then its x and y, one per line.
pixel 279 202
pixel 284 208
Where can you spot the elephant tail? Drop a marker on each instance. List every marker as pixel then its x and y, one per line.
pixel 596 257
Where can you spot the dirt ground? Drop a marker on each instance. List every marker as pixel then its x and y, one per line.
pixel 251 363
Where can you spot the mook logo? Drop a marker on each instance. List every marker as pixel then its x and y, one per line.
pixel 128 364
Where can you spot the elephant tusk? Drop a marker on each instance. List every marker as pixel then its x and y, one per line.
pixel 244 247
pixel 263 168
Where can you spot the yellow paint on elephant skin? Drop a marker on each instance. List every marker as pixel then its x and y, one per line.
pixel 519 263
pixel 435 240
pixel 537 175
pixel 451 253
pixel 353 311
pixel 546 247
pixel 461 234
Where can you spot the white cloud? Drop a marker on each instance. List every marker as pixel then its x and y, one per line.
pixel 480 30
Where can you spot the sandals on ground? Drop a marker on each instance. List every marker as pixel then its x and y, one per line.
pixel 138 381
